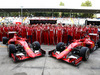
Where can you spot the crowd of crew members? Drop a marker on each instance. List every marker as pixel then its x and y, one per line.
pixel 49 34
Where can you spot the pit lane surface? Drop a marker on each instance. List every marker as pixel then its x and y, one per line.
pixel 47 65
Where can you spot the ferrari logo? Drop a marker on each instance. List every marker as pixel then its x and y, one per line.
pixel 82 44
pixel 66 49
pixel 27 48
pixel 93 44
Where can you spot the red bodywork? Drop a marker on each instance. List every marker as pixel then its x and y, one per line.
pixel 64 54
pixel 29 52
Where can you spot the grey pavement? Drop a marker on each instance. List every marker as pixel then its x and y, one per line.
pixel 48 65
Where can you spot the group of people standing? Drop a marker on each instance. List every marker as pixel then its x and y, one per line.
pixel 49 33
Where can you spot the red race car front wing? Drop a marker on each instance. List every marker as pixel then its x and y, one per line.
pixel 73 60
pixel 18 57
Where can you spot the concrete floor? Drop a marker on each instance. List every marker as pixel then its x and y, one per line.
pixel 48 65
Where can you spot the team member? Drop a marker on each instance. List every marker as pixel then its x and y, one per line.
pixel 83 32
pixel 52 31
pixel 43 34
pixel 2 30
pixel 99 31
pixel 78 32
pixel 29 33
pixel 59 33
pixel 65 34
pixel 91 29
pixel 96 32
pixel 46 33
pixel 5 30
pixel 16 28
pixel 0 33
pixel 33 33
pixel 11 28
pixel 23 31
pixel 55 37
pixel 38 34
pixel 74 31
pixel 19 31
pixel 87 29
pixel 70 34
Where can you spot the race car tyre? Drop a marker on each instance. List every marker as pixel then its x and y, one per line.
pixel 11 49
pixel 36 45
pixel 85 52
pixel 98 43
pixel 5 40
pixel 60 46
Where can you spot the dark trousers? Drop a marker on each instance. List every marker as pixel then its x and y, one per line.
pixel 29 37
pixel 69 39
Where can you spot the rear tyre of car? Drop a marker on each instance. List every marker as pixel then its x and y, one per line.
pixel 84 52
pixel 11 49
pixel 60 46
pixel 36 45
pixel 98 42
pixel 5 40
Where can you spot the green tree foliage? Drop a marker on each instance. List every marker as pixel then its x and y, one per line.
pixel 60 13
pixel 61 4
pixel 86 3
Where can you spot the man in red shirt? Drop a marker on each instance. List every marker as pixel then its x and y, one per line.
pixel 52 31
pixel 38 34
pixel 15 28
pixel 0 33
pixel 87 29
pixel 23 31
pixel 5 30
pixel 96 32
pixel 65 34
pixel 83 34
pixel 59 33
pixel 29 33
pixel 78 32
pixel 43 34
pixel 95 29
pixel 33 33
pixel 2 30
pixel 11 28
pixel 19 31
pixel 55 35
pixel 46 34
pixel 70 34
pixel 74 31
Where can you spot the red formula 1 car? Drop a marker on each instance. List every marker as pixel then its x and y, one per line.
pixel 19 49
pixel 77 51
